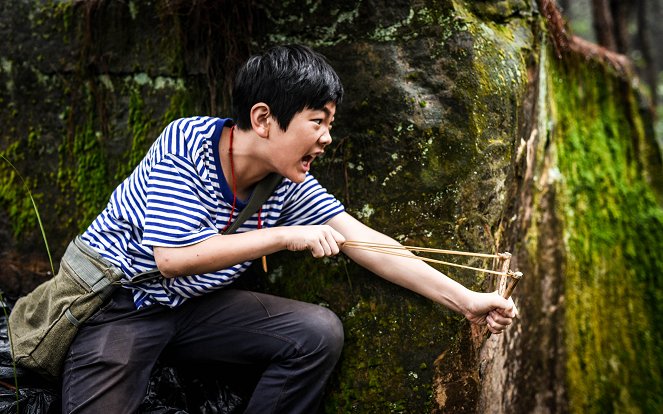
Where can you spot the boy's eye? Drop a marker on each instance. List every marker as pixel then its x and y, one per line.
pixel 318 121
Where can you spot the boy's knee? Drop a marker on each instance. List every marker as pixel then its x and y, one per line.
pixel 329 330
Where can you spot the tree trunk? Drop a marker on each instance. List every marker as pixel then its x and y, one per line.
pixel 644 44
pixel 603 23
pixel 622 11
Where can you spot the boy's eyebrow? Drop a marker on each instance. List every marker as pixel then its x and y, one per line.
pixel 327 112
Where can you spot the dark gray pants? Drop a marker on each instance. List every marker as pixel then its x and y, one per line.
pixel 108 366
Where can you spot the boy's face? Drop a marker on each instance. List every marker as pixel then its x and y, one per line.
pixel 305 139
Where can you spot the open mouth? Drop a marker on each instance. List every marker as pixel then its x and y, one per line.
pixel 307 160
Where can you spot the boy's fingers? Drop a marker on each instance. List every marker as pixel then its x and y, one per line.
pixel 333 244
pixel 494 325
pixel 499 319
pixel 334 240
pixel 320 247
pixel 512 311
pixel 509 309
pixel 338 237
pixel 316 250
pixel 327 243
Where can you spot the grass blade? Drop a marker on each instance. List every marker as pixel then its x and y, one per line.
pixel 34 206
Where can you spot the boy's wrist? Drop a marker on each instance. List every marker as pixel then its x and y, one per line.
pixel 464 301
pixel 279 237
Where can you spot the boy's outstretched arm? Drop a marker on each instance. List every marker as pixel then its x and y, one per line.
pixel 416 275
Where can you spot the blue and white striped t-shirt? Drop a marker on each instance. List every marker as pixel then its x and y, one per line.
pixel 178 196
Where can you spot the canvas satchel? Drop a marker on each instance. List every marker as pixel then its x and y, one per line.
pixel 44 323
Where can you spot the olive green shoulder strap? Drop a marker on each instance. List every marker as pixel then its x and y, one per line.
pixel 260 194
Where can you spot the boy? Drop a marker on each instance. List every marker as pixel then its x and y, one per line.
pixel 169 214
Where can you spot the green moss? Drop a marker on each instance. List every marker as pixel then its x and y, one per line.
pixel 141 126
pixel 61 10
pixel 14 196
pixel 390 346
pixel 498 76
pixel 83 173
pixel 614 236
pixel 181 105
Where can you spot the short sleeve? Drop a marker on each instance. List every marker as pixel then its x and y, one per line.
pixel 309 203
pixel 176 210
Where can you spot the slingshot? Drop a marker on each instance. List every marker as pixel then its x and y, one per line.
pixel 506 283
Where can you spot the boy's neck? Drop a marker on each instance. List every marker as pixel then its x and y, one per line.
pixel 249 167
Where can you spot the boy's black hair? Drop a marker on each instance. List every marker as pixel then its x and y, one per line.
pixel 289 79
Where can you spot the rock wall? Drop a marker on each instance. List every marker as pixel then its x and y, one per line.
pixel 467 125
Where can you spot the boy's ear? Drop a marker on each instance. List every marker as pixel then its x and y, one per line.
pixel 261 119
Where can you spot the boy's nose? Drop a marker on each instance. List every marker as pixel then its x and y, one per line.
pixel 325 139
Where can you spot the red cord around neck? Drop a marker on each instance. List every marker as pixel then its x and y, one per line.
pixel 232 176
pixel 234 189
pixel 234 184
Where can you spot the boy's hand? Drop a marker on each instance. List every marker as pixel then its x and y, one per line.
pixel 321 241
pixel 492 310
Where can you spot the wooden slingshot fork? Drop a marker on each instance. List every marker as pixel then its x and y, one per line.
pixel 508 279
